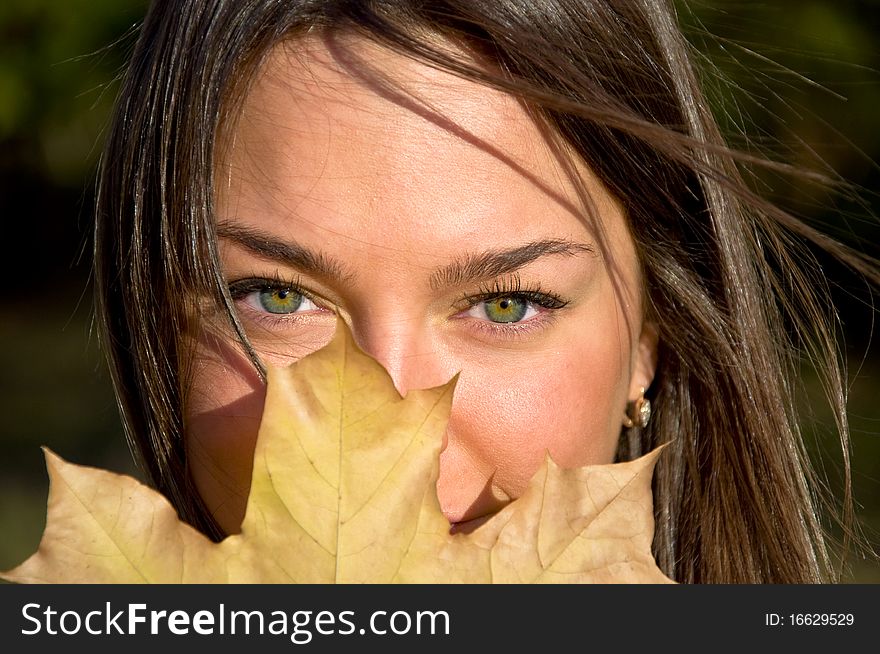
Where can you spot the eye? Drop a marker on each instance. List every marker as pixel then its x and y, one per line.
pixel 504 309
pixel 509 304
pixel 267 297
pixel 279 300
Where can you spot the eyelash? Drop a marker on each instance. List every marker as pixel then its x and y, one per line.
pixel 241 288
pixel 512 287
pixel 508 287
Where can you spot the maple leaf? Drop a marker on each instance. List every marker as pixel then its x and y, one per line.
pixel 344 490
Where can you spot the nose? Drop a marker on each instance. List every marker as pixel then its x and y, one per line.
pixel 412 356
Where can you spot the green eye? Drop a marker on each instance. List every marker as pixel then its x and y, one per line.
pixel 506 309
pixel 280 300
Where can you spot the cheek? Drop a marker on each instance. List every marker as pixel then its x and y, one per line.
pixel 568 402
pixel 223 415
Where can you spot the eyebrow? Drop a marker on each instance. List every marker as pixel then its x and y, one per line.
pixel 291 254
pixel 489 264
pixel 468 269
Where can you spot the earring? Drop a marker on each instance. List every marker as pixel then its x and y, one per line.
pixel 638 413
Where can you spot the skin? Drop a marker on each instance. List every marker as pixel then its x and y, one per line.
pixel 400 183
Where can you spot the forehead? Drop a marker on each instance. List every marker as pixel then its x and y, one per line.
pixel 350 131
pixel 356 90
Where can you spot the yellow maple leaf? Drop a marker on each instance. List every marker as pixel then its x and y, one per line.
pixel 344 491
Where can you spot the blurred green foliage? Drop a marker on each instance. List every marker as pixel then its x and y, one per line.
pixel 56 61
pixel 799 80
pixel 57 83
pixel 57 73
pixel 800 77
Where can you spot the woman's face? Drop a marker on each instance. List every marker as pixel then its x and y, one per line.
pixel 432 215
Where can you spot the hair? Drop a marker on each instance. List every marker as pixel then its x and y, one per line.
pixel 729 279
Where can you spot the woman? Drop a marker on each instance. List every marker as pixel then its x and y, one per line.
pixel 531 193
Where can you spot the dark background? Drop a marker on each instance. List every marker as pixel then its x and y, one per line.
pixel 800 77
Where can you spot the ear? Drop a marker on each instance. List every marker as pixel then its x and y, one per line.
pixel 645 360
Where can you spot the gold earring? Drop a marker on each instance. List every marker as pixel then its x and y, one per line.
pixel 638 413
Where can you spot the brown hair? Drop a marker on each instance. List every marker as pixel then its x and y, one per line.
pixel 729 279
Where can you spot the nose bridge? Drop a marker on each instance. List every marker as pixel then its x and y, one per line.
pixel 406 350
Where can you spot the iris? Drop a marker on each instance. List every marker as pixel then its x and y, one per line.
pixel 280 300
pixel 506 309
